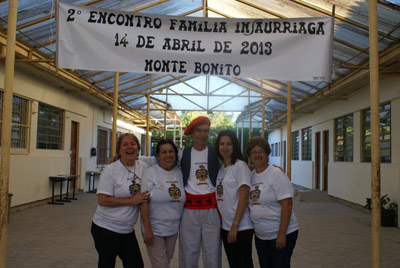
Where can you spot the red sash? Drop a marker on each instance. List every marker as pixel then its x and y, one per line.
pixel 200 201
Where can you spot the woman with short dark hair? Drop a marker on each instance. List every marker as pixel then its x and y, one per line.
pixel 271 202
pixel 161 216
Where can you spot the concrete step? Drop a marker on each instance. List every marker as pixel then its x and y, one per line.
pixel 311 195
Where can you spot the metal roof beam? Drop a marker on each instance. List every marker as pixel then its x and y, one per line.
pixel 389 5
pixel 142 83
pixel 227 84
pixel 352 77
pixel 192 87
pixel 282 16
pixel 201 107
pixel 227 100
pixel 148 88
pixel 70 77
pixel 126 82
pixel 48 17
pixel 341 18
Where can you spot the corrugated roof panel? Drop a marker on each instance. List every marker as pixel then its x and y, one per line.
pixel 228 103
pixel 174 7
pixel 351 28
pixel 345 55
pixel 125 5
pixel 198 82
pixel 40 32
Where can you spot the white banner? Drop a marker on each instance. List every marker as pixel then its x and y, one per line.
pixel 107 40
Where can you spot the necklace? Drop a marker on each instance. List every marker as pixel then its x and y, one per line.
pixel 135 180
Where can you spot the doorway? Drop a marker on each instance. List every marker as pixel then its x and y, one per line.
pixel 74 150
pixel 317 154
pixel 325 160
pixel 284 155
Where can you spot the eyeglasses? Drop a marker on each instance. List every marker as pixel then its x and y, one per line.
pixel 257 152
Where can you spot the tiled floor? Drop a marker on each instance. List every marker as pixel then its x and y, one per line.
pixel 331 235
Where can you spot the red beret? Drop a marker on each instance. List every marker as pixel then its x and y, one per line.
pixel 201 120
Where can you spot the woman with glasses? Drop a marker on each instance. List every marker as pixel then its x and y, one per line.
pixel 232 194
pixel 271 202
pixel 119 195
pixel 161 216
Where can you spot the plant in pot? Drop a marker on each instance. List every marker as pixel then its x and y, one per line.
pixel 389 210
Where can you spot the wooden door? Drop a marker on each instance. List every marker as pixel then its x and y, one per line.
pixel 284 155
pixel 317 154
pixel 325 160
pixel 74 149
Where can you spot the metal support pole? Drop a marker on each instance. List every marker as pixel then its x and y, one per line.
pixel 241 141
pixel 181 136
pixel 165 114
pixel 263 118
pixel 289 130
pixel 250 115
pixel 147 125
pixel 174 127
pixel 205 9
pixel 115 116
pixel 6 127
pixel 375 151
pixel 250 125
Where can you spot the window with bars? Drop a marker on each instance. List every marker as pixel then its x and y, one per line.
pixel 385 133
pixel 295 145
pixel 19 121
pixel 104 142
pixel 50 127
pixel 276 149
pixel 273 149
pixel 103 146
pixel 344 132
pixel 306 143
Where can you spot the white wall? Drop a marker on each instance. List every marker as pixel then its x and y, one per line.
pixel 30 170
pixel 349 180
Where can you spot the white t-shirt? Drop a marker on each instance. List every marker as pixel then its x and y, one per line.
pixel 267 188
pixel 117 181
pixel 167 198
pixel 229 180
pixel 199 179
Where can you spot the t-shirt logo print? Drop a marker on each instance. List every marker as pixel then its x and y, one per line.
pixel 201 175
pixel 174 193
pixel 255 195
pixel 220 191
pixel 135 186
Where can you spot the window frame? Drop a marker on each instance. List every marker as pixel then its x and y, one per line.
pixel 101 160
pixel 24 125
pixel 346 137
pixel 295 145
pixel 60 114
pixel 306 146
pixel 364 129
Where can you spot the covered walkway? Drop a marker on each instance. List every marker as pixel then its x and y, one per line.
pixel 331 235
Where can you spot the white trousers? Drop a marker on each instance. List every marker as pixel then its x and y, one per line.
pixel 200 228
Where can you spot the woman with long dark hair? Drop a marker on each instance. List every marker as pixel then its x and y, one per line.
pixel 232 194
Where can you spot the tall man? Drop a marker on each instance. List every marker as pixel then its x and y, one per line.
pixel 200 224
